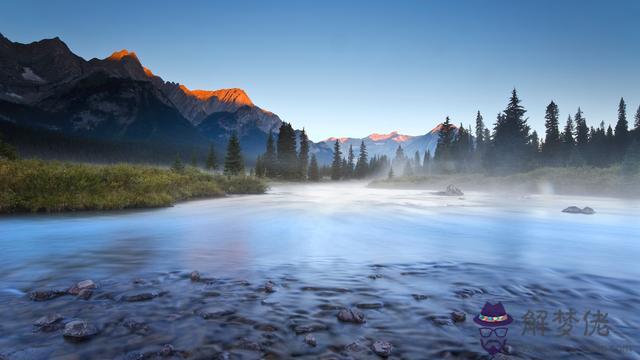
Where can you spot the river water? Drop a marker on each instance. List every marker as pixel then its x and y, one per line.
pixel 405 258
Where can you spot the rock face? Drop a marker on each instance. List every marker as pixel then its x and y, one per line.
pixel 382 348
pixel 576 210
pixel 351 315
pixel 79 330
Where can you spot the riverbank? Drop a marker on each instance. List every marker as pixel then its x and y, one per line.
pixel 51 186
pixel 566 181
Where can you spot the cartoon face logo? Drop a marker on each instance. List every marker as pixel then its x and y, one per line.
pixel 493 320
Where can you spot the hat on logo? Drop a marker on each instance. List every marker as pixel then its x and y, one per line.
pixel 493 315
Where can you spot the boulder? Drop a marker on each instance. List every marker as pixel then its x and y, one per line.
pixel 49 322
pixel 85 294
pixel 588 211
pixel 46 294
pixel 382 348
pixel 576 210
pixel 82 285
pixel 195 276
pixel 79 330
pixel 351 315
pixel 268 287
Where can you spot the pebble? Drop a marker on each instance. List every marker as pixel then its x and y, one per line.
pixel 79 330
pixel 310 340
pixel 382 348
pixel 458 316
pixel 49 322
pixel 351 315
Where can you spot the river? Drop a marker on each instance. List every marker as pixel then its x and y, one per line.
pixel 405 258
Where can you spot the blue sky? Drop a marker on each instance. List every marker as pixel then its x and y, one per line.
pixel 350 68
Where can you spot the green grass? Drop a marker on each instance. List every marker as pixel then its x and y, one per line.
pixel 44 186
pixel 560 180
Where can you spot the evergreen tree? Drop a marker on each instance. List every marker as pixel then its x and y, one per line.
pixel 510 147
pixel 233 162
pixel 177 166
pixel 286 152
pixel 194 159
pixel 390 174
pixel 443 155
pixel 7 151
pixel 350 163
pixel 622 129
pixel 362 163
pixel 426 163
pixel 314 174
pixel 636 128
pixel 303 157
pixel 212 161
pixel 269 158
pixel 260 168
pixel 567 134
pixel 416 160
pixel 480 132
pixel 336 164
pixel 344 169
pixel 582 133
pixel 552 141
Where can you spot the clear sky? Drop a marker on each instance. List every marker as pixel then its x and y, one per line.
pixel 351 68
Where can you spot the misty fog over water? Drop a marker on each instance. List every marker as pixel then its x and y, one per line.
pixel 521 250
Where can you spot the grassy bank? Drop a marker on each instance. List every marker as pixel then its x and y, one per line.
pixel 570 181
pixel 43 186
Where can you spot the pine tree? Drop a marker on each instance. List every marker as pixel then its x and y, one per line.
pixel 303 157
pixel 177 166
pixel 362 163
pixel 260 169
pixel 390 174
pixel 212 161
pixel 416 160
pixel 552 141
pixel 621 130
pixel 7 151
pixel 636 128
pixel 314 174
pixel 269 158
pixel 336 164
pixel 426 163
pixel 582 132
pixel 443 155
pixel 480 140
pixel 510 146
pixel 233 162
pixel 350 163
pixel 567 134
pixel 194 159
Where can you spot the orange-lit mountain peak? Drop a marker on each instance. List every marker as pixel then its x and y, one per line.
pixel 382 137
pixel 148 72
pixel 439 127
pixel 119 55
pixel 341 140
pixel 234 95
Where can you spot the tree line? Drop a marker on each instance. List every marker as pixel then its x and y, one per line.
pixel 511 146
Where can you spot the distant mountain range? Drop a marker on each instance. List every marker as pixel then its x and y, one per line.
pixel 56 104
pixel 387 144
pixel 46 88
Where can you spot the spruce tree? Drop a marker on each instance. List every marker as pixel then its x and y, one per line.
pixel 552 141
pixel 621 130
pixel 259 169
pixel 269 158
pixel 416 160
pixel 426 163
pixel 303 157
pixel 286 152
pixel 636 125
pixel 212 161
pixel 390 174
pixel 510 147
pixel 443 156
pixel 480 140
pixel 362 163
pixel 7 151
pixel 582 132
pixel 177 166
pixel 233 162
pixel 350 163
pixel 314 173
pixel 336 164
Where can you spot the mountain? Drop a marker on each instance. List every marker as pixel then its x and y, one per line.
pixel 44 86
pixel 387 144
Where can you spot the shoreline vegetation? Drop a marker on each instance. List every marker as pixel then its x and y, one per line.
pixel 591 181
pixel 52 186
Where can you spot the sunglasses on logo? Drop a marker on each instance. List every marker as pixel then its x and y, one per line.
pixel 500 332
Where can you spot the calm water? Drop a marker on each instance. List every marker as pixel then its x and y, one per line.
pixel 412 256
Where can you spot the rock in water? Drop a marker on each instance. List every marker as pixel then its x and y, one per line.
pixel 85 294
pixel 572 210
pixel 46 294
pixel 452 190
pixel 82 285
pixel 268 287
pixel 351 315
pixel 311 340
pixel 79 330
pixel 588 211
pixel 458 316
pixel 49 322
pixel 382 348
pixel 195 276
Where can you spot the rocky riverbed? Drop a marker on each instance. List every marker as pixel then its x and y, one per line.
pixel 386 311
